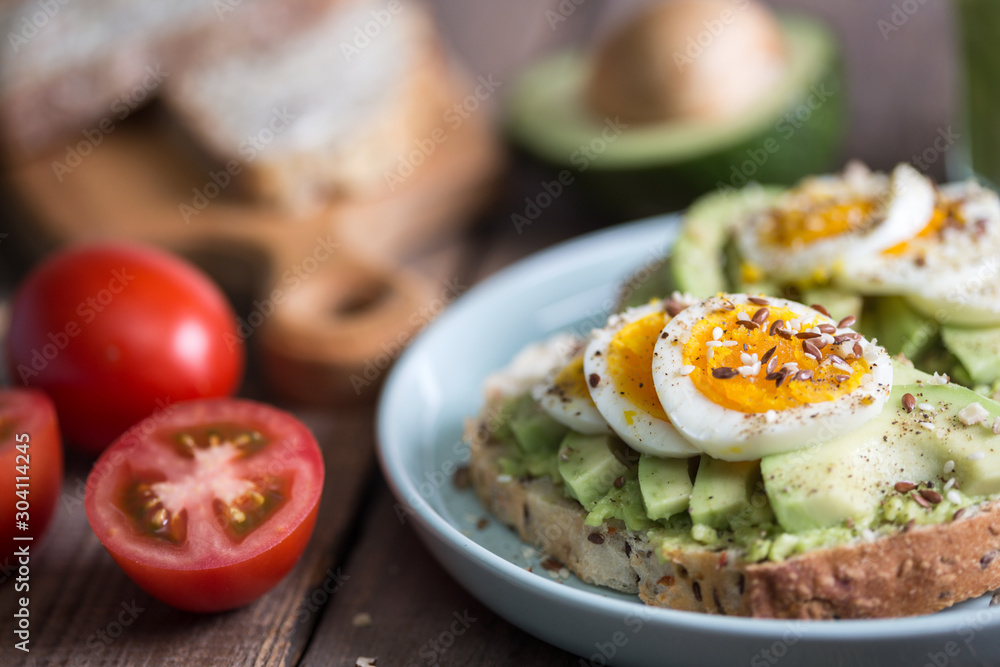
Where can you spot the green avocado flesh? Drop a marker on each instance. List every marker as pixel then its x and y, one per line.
pixel 920 466
pixel 792 130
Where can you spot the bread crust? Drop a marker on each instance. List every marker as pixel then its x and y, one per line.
pixel 918 570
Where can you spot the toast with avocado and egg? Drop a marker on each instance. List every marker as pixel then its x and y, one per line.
pixel 745 455
pixel 918 263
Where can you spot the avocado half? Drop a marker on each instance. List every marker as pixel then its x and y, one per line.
pixel 793 130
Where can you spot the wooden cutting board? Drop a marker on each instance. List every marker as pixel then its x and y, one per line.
pixel 325 292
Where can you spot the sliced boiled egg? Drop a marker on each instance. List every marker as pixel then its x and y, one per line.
pixel 824 219
pixel 741 377
pixel 618 367
pixel 961 239
pixel 565 397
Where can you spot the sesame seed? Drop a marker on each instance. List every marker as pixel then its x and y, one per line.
pixel 742 316
pixel 686 370
pixel 746 358
pixel 828 339
pixel 908 402
pixel 996 426
pixel 770 416
pixel 954 497
pixel 795 324
pixel 820 308
pixel 844 367
pixel 723 373
pixel 904 487
pixel 949 466
pixel 745 370
pixel 847 321
pixel 772 364
pixel 976 456
pixel 791 365
pixel 729 343
pixel 713 343
pixel 710 354
pixel 927 407
pixel 858 350
pixel 716 333
pixel 950 483
pixel 758 300
pixel 927 425
pixel 939 379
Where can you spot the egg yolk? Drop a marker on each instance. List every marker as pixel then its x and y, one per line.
pixel 630 362
pixel 571 382
pixel 752 392
pixel 794 227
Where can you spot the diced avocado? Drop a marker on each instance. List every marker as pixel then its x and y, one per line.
pixel 537 433
pixel 846 479
pixel 728 494
pixel 665 485
pixel 898 328
pixel 642 169
pixel 622 502
pixel 977 349
pixel 589 466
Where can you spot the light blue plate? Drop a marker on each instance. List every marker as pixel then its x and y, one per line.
pixel 436 385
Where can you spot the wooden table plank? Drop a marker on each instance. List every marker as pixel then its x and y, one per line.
pixel 414 605
pixel 84 610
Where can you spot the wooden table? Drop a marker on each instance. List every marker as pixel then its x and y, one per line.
pixel 362 563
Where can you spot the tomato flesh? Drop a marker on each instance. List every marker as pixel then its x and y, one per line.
pixel 212 507
pixel 31 466
pixel 114 331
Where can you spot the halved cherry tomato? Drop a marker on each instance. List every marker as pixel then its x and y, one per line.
pixel 208 504
pixel 31 467
pixel 111 331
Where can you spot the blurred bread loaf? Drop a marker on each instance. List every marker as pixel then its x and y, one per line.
pixel 327 111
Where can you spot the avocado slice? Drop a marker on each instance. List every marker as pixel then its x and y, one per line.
pixel 589 466
pixel 794 129
pixel 898 327
pixel 665 485
pixel 728 494
pixel 977 349
pixel 846 479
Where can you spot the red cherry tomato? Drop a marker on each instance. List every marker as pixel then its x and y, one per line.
pixel 31 467
pixel 113 331
pixel 209 504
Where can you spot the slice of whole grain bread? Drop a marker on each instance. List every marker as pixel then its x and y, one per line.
pixel 913 571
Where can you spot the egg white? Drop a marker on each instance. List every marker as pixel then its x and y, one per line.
pixel 645 433
pixel 576 412
pixel 732 435
pixel 906 203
